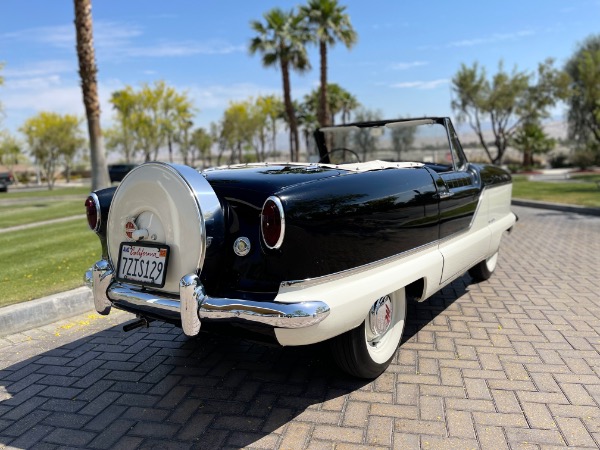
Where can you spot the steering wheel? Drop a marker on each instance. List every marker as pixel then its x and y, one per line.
pixel 343 152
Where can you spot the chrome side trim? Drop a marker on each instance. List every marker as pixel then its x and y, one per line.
pixel 355 270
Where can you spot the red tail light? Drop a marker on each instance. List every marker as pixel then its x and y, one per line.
pixel 272 223
pixel 92 211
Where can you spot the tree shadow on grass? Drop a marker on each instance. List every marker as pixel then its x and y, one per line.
pixel 155 388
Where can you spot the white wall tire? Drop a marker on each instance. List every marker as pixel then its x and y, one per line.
pixel 484 269
pixel 364 352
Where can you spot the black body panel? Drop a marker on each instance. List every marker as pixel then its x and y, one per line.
pixel 332 224
pixel 267 179
pixel 491 175
pixel 358 219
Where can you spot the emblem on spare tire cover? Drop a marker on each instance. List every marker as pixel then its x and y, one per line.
pixel 130 227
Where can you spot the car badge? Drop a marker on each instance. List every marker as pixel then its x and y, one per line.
pixel 130 227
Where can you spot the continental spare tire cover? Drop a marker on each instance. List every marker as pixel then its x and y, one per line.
pixel 176 206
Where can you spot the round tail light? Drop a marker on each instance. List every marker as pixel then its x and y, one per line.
pixel 272 223
pixel 92 212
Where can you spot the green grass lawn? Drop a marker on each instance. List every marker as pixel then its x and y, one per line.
pixel 56 192
pixel 582 191
pixel 45 260
pixel 40 210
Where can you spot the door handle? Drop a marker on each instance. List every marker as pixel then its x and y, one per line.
pixel 445 194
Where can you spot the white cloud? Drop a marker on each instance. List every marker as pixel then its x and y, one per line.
pixel 118 40
pixel 26 97
pixel 497 37
pixel 186 48
pixel 408 65
pixel 40 69
pixel 219 96
pixel 421 84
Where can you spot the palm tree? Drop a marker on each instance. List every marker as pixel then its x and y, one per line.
pixel 281 40
pixel 89 88
pixel 349 104
pixel 328 24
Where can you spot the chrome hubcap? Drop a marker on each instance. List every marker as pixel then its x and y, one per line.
pixel 380 318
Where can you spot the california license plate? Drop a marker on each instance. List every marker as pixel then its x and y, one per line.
pixel 143 264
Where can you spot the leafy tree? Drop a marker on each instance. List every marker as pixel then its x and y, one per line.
pixel 307 122
pixel 122 136
pixel 53 139
pixel 402 139
pixel 149 118
pixel 531 139
pixel 201 142
pixel 339 101
pixel 505 101
pixel 177 112
pixel 584 102
pixel 1 83
pixel 183 138
pixel 89 87
pixel 349 103
pixel 10 150
pixel 329 24
pixel 237 129
pixel 363 138
pixel 270 107
pixel 281 40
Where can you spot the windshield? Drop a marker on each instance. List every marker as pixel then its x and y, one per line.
pixel 423 140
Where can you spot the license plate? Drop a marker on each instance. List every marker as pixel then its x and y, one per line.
pixel 143 264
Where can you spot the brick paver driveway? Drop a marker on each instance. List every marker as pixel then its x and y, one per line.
pixel 509 363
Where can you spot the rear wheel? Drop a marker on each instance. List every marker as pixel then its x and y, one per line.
pixel 366 351
pixel 484 270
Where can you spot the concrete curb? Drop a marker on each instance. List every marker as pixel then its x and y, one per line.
pixel 556 207
pixel 36 313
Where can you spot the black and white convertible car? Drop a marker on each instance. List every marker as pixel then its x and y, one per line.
pixel 304 253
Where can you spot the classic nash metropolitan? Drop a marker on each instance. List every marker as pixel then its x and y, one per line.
pixel 304 252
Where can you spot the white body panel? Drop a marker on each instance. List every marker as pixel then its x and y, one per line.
pixel 350 297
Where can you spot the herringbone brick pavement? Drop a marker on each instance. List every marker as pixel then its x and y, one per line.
pixel 510 363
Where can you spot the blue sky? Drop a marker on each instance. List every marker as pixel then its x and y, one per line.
pixel 406 55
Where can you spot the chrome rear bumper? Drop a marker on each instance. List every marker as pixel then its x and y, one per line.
pixel 193 305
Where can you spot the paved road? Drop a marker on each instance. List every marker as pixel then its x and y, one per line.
pixel 510 363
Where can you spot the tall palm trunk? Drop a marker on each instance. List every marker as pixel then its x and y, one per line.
pixel 322 115
pixel 289 109
pixel 89 88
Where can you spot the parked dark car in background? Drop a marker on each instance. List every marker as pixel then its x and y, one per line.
pixel 118 171
pixel 6 179
pixel 303 253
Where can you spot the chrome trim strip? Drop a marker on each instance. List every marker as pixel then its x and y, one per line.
pixel 281 218
pixel 274 314
pixel 355 270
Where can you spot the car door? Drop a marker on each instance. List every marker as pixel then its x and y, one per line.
pixel 463 239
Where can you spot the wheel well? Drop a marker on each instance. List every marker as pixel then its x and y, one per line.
pixel 416 289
